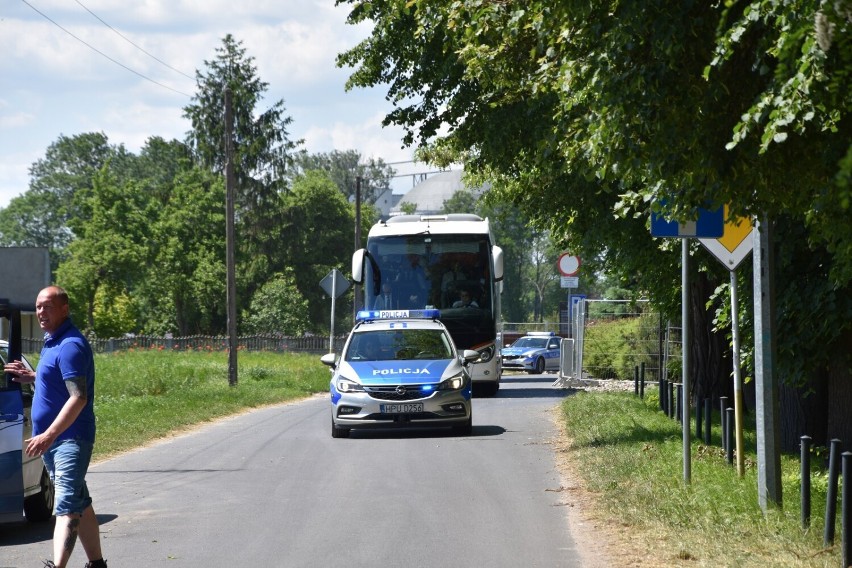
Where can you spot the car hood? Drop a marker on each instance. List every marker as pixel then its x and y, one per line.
pixel 418 372
pixel 518 351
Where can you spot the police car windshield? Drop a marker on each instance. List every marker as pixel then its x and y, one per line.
pixel 531 343
pixel 390 345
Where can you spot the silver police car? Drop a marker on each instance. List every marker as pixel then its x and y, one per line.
pixel 534 353
pixel 400 368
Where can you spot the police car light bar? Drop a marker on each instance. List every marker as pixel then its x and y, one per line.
pixel 543 333
pixel 369 315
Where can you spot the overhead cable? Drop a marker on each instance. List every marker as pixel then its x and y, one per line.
pixel 137 73
pixel 125 38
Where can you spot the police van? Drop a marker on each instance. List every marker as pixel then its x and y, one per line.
pixel 400 368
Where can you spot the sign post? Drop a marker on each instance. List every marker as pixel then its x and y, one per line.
pixel 569 267
pixel 710 223
pixel 334 284
pixel 731 248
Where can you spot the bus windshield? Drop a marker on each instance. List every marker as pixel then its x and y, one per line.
pixel 448 272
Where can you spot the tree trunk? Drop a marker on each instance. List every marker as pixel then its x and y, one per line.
pixel 710 354
pixel 840 394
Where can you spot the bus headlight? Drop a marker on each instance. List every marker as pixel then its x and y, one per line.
pixel 485 354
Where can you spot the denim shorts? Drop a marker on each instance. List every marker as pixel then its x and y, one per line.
pixel 67 462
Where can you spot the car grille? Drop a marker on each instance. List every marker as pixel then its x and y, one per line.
pixel 409 392
pixel 511 357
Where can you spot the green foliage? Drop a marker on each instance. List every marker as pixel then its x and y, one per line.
pixel 344 167
pixel 614 346
pixel 145 395
pixel 278 308
pixel 114 313
pixel 630 455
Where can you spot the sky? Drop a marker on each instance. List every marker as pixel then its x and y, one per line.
pixel 129 69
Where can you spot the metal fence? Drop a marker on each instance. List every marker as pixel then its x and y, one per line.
pixel 613 339
pixel 306 344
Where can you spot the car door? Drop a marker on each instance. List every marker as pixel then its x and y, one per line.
pixel 11 450
pixel 552 357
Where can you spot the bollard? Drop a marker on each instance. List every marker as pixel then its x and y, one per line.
pixel 698 420
pixel 708 417
pixel 805 465
pixel 636 380
pixel 846 511
pixel 729 432
pixel 642 381
pixel 831 492
pixel 679 403
pixel 664 394
pixel 723 404
pixel 662 390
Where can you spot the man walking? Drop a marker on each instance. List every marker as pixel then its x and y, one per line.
pixel 64 425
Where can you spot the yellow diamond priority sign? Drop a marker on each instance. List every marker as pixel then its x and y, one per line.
pixel 734 244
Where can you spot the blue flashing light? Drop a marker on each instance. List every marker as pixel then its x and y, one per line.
pixel 427 388
pixel 369 315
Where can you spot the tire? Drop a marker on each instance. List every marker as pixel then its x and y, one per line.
pixel 38 508
pixel 338 432
pixel 539 367
pixel 465 429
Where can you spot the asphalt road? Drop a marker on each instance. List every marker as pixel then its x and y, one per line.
pixel 272 488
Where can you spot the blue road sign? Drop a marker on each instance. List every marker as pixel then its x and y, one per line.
pixel 709 225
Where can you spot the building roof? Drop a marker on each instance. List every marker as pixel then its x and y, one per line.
pixel 429 195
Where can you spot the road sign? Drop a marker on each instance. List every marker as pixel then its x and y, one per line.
pixel 334 283
pixel 734 244
pixel 569 265
pixel 709 224
pixel 569 282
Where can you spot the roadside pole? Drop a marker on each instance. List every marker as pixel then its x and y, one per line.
pixel 684 403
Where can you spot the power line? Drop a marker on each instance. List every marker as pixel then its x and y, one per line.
pixel 125 38
pixel 46 17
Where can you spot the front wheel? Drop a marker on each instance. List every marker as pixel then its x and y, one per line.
pixel 337 432
pixel 465 429
pixel 39 507
pixel 538 368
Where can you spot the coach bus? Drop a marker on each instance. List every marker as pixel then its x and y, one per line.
pixel 446 262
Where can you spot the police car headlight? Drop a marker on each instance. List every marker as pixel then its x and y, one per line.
pixel 453 383
pixel 345 385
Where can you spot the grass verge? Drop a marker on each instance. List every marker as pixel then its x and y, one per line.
pixel 630 456
pixel 141 396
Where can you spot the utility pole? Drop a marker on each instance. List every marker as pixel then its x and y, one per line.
pixel 766 384
pixel 231 294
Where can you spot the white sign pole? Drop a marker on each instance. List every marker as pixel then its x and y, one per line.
pixel 333 300
pixel 684 403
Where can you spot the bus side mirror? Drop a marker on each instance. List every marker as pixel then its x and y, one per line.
pixel 497 252
pixel 358 266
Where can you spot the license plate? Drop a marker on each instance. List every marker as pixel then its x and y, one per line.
pixel 402 408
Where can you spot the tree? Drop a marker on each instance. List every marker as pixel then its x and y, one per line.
pixel 586 116
pixel 109 249
pixel 184 286
pixel 262 148
pixel 344 167
pixel 59 184
pixel 278 308
pixel 315 236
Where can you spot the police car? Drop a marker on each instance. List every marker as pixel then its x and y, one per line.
pixel 534 353
pixel 400 368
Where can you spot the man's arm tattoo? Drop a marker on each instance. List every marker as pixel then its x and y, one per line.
pixel 77 387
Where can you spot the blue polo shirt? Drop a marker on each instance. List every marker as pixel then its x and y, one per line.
pixel 66 354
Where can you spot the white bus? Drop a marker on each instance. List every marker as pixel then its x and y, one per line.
pixel 448 262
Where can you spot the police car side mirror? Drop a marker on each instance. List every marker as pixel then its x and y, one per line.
pixel 329 359
pixel 469 356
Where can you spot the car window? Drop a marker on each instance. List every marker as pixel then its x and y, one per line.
pixel 389 345
pixel 531 342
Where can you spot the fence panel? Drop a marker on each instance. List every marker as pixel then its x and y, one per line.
pixel 307 344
